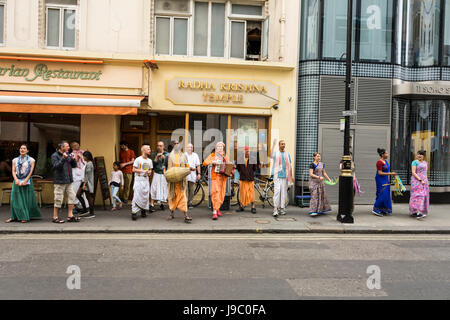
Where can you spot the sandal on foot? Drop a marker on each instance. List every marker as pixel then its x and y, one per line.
pixel 10 220
pixel 170 217
pixel 187 219
pixel 57 220
pixel 73 219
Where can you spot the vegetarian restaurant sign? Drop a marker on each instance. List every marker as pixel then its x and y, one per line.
pixel 222 92
pixel 109 75
pixel 43 72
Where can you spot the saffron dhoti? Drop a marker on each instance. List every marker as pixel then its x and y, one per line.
pixel 218 187
pixel 179 201
pixel 246 192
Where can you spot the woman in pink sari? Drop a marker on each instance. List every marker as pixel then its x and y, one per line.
pixel 420 191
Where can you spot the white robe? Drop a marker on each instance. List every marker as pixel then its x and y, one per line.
pixel 141 187
pixel 159 189
pixel 141 191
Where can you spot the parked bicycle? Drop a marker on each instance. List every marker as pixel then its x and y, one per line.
pixel 264 191
pixel 199 191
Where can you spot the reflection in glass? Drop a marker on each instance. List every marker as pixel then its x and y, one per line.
pixel 201 29
pixel 162 35
pixel 376 30
pixel 334 29
pixel 446 44
pixel 422 32
pixel 53 27
pixel 310 29
pixel 422 125
pixel 237 39
pixel 218 30
pixel 69 28
pixel 180 36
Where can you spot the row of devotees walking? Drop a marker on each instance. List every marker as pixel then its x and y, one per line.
pixel 74 178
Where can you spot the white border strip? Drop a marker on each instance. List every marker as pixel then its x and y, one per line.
pixel 71 101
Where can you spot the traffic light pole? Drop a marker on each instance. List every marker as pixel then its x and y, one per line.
pixel 346 177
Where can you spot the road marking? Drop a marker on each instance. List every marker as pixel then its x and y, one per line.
pixel 190 236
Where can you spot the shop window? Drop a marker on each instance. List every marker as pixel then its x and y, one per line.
pixel 422 125
pixel 446 44
pixel 61 24
pixel 421 30
pixel 42 133
pixel 2 22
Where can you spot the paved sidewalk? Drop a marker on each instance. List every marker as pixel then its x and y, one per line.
pixel 296 220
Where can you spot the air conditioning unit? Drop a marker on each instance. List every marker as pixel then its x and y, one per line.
pixel 167 6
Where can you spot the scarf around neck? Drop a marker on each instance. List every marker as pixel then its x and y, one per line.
pixel 20 163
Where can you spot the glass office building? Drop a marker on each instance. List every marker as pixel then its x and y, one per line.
pixel 400 88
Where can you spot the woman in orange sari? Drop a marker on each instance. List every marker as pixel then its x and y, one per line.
pixel 218 180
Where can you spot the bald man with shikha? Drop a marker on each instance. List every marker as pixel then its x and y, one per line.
pixel 142 169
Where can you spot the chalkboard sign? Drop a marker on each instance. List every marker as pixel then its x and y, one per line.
pixel 100 175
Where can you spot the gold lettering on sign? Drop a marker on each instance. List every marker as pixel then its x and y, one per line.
pixel 221 91
pixel 196 85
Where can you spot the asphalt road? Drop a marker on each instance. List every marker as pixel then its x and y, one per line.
pixel 191 266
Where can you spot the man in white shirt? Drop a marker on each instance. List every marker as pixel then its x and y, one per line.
pixel 194 176
pixel 142 169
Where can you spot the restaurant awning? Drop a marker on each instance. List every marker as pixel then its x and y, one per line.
pixel 72 103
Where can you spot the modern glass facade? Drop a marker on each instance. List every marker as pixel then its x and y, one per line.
pixel 394 42
pixel 418 38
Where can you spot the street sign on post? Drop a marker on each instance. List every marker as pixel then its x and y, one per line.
pixel 349 113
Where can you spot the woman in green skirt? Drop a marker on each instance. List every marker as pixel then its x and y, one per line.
pixel 23 200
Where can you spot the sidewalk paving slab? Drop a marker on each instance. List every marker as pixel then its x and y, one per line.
pixel 296 220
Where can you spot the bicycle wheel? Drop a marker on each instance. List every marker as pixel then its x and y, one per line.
pixel 199 194
pixel 270 193
pixel 234 201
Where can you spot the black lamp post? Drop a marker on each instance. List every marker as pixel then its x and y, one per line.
pixel 346 177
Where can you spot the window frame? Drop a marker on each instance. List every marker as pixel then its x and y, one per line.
pixel 3 3
pixel 231 41
pixel 229 18
pixel 61 9
pixel 208 45
pixel 171 34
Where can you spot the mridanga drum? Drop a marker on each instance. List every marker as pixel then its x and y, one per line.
pixel 176 174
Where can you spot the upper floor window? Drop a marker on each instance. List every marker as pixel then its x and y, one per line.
pixel 61 24
pixel 446 43
pixel 210 29
pixel 375 30
pixel 421 32
pixel 2 22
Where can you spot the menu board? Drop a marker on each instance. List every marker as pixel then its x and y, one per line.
pixel 100 175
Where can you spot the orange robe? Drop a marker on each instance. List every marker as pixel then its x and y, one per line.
pixel 246 191
pixel 179 201
pixel 218 184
